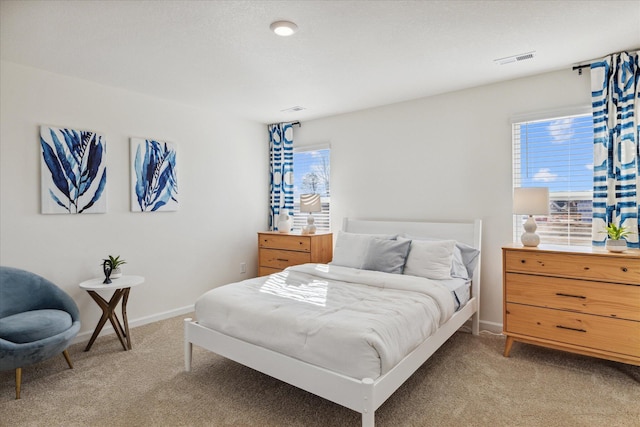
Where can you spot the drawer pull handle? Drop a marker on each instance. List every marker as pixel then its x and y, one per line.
pixel 624 269
pixel 523 261
pixel 282 259
pixel 571 329
pixel 570 296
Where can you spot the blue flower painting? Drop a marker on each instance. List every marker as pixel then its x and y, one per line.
pixel 74 172
pixel 154 183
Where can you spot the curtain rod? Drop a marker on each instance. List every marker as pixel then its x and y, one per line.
pixel 591 61
pixel 289 123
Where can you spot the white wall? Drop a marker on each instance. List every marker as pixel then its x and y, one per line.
pixel 445 157
pixel 222 177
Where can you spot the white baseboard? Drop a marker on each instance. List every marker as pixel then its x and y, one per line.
pixel 108 329
pixel 494 327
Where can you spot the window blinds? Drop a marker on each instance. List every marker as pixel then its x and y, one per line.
pixel 311 170
pixel 557 153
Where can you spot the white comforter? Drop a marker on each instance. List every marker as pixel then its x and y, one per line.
pixel 356 322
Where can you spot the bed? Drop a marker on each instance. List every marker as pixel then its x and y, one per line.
pixel 366 384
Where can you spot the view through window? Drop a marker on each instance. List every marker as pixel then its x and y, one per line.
pixel 311 174
pixel 557 153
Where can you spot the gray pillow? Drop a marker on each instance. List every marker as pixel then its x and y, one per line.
pixel 387 256
pixel 469 257
pixel 351 248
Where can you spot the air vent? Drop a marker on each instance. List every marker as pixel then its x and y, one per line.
pixel 515 58
pixel 293 109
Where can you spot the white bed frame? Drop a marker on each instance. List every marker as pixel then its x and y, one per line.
pixel 363 396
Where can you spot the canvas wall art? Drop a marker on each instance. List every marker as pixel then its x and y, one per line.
pixel 73 171
pixel 154 183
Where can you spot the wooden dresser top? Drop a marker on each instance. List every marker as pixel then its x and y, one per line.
pixel 629 253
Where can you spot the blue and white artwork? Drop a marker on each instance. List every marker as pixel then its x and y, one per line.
pixel 73 171
pixel 154 182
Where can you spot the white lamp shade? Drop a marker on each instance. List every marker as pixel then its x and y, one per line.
pixel 310 203
pixel 531 200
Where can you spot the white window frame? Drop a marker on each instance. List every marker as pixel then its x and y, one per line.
pixel 322 220
pixel 548 225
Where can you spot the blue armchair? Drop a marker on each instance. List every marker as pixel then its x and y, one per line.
pixel 37 321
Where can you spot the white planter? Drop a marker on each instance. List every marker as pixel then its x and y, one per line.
pixel 115 274
pixel 619 245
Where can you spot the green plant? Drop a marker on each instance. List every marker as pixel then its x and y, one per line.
pixel 114 262
pixel 615 232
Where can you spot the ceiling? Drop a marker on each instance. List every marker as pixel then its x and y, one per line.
pixel 346 56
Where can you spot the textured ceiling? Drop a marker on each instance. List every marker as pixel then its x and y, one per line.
pixel 346 56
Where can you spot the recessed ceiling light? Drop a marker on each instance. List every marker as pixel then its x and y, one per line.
pixel 283 28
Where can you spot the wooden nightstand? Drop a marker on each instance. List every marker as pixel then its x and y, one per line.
pixel 277 251
pixel 579 299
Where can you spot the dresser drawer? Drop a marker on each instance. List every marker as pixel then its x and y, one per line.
pixel 604 299
pixel 585 267
pixel 594 332
pixel 280 260
pixel 286 242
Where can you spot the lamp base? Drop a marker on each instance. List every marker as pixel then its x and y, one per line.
pixel 529 237
pixel 310 228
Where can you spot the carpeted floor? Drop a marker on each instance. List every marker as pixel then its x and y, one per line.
pixel 466 383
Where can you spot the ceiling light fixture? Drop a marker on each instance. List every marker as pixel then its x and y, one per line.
pixel 283 28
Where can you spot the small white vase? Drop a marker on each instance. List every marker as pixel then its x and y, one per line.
pixel 284 222
pixel 619 245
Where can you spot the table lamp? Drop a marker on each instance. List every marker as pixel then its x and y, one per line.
pixel 530 201
pixel 310 203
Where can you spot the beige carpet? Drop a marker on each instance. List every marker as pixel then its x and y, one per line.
pixel 466 383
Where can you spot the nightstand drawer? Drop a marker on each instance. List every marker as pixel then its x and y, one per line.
pixel 604 299
pixel 286 242
pixel 280 260
pixel 594 332
pixel 584 267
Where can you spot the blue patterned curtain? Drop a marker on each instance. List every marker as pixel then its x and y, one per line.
pixel 616 174
pixel 281 170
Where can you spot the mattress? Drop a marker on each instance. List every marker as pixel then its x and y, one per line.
pixel 355 322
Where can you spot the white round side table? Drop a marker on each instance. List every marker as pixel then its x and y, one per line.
pixel 121 287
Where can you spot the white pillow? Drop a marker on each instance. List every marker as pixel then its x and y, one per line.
pixel 351 248
pixel 465 257
pixel 430 258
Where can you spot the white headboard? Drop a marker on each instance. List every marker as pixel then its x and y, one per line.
pixel 469 232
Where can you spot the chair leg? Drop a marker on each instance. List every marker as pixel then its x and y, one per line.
pixel 18 382
pixel 66 356
pixel 19 373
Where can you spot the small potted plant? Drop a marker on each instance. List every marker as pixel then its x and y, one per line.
pixel 616 241
pixel 114 263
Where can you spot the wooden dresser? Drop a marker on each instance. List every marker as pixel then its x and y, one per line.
pixel 579 299
pixel 277 251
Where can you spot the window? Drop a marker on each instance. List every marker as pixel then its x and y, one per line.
pixel 557 153
pixel 311 174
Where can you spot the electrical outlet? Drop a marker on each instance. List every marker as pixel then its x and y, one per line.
pixel 243 267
